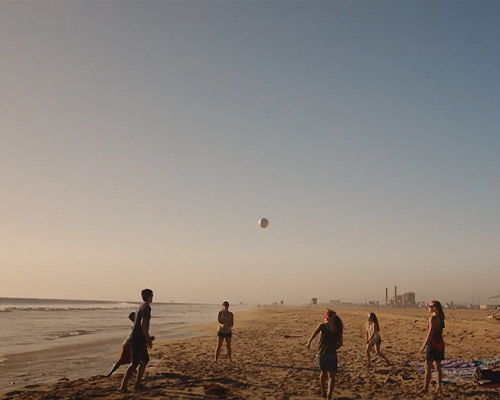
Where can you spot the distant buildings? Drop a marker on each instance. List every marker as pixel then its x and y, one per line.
pixel 335 303
pixel 404 300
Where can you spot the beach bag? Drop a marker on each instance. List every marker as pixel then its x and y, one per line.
pixel 487 375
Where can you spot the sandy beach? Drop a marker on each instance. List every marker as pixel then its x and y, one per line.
pixel 271 361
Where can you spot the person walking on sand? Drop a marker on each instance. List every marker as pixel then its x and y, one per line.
pixel 330 341
pixel 434 345
pixel 125 356
pixel 373 339
pixel 226 322
pixel 140 341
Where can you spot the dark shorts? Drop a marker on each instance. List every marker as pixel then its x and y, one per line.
pixel 226 335
pixel 327 362
pixel 139 353
pixel 433 354
pixel 126 356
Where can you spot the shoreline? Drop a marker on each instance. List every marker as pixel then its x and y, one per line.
pixel 270 360
pixel 89 357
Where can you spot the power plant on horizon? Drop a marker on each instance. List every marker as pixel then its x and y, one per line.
pixel 405 300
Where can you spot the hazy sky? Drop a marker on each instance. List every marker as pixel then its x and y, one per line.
pixel 141 142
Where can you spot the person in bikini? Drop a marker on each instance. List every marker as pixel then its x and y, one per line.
pixel 373 339
pixel 434 345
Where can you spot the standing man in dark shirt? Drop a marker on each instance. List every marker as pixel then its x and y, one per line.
pixel 140 341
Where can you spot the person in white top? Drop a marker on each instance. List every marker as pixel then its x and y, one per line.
pixel 373 339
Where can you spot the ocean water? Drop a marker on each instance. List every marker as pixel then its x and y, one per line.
pixel 30 325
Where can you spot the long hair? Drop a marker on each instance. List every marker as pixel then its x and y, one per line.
pixel 332 316
pixel 329 314
pixel 374 319
pixel 439 309
pixel 338 326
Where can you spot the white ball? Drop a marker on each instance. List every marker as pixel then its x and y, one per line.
pixel 263 223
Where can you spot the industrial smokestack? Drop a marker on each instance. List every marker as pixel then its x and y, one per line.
pixel 386 296
pixel 395 295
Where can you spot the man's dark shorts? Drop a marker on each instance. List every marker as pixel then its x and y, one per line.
pixel 225 335
pixel 139 353
pixel 327 362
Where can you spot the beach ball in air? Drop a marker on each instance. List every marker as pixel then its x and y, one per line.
pixel 263 223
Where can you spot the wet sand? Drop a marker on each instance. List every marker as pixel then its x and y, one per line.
pixel 270 360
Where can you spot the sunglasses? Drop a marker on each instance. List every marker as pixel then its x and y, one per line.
pixel 430 305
